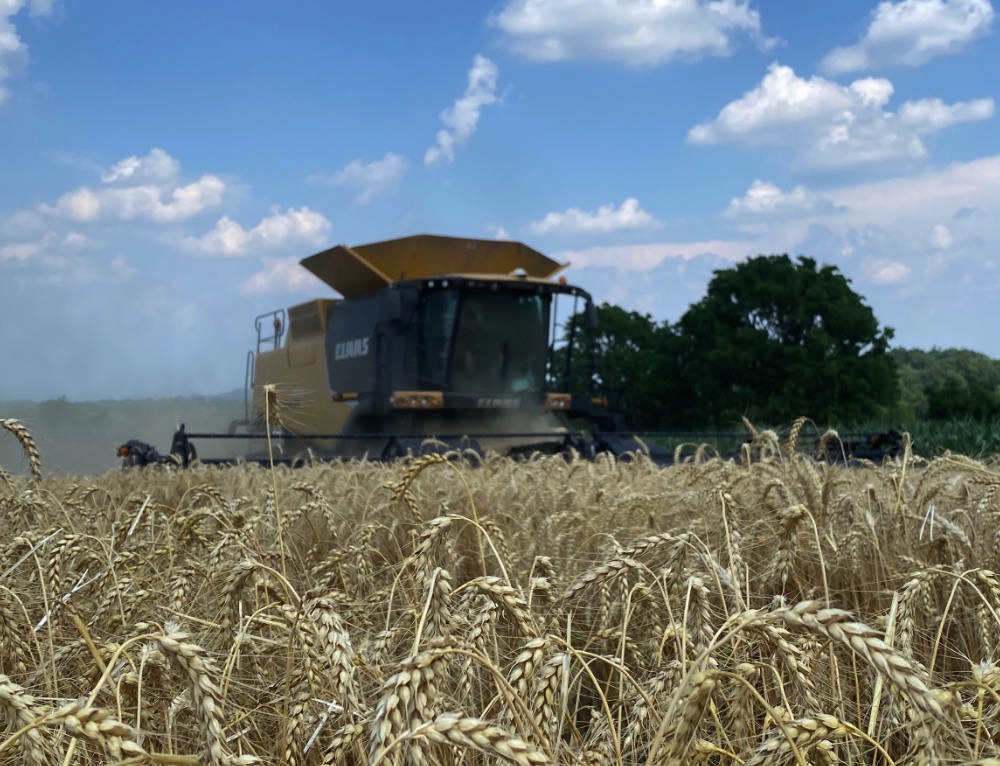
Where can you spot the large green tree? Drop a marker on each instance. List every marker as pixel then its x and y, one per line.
pixel 621 359
pixel 775 338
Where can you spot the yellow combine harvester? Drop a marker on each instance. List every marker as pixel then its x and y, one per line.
pixel 437 343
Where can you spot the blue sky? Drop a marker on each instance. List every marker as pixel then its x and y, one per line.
pixel 166 165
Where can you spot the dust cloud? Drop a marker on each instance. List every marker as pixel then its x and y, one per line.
pixel 82 437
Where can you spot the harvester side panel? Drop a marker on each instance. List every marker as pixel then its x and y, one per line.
pixel 351 347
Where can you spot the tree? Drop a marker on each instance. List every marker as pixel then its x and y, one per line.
pixel 774 339
pixel 939 383
pixel 628 355
pixel 952 400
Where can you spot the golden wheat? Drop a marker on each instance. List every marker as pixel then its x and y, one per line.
pixel 27 442
pixel 776 611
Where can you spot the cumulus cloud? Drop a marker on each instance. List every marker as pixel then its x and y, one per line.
pixel 766 199
pixel 827 124
pixel 370 179
pixel 280 228
pixel 932 114
pixel 139 188
pixel 13 51
pixel 628 215
pixel 912 32
pixel 635 32
pixel 462 118
pixel 901 204
pixel 150 202
pixel 646 257
pixel 155 167
pixel 281 275
pixel 923 231
pixel 880 271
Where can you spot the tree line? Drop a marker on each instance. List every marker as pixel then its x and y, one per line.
pixel 772 339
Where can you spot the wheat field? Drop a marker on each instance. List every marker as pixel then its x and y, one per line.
pixel 466 611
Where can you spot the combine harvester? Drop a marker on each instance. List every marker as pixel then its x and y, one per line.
pixel 437 344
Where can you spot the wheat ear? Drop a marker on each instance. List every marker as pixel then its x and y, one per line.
pixel 27 444
pixel 798 736
pixel 99 726
pixel 476 734
pixel 205 695
pixel 868 644
pixel 20 710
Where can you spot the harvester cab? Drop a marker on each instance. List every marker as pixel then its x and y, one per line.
pixel 436 343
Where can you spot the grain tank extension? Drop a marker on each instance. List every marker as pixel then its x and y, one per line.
pixel 435 343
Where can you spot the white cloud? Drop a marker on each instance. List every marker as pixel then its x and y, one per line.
pixel 780 100
pixel 282 275
pixel 635 32
pixel 766 199
pixel 926 196
pixel 873 91
pixel 911 32
pixel 967 195
pixel 932 114
pixel 156 167
pixel 13 51
pixel 55 259
pixel 371 179
pixel 139 188
pixel 879 271
pixel 930 232
pixel 47 244
pixel 941 237
pixel 462 118
pixel 22 251
pixel 229 238
pixel 647 257
pixel 150 202
pixel 826 124
pixel 628 215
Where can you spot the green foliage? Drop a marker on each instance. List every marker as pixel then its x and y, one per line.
pixel 774 339
pixel 628 354
pixel 976 437
pixel 947 383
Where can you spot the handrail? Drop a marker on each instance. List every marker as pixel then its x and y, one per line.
pixel 278 325
pixel 248 374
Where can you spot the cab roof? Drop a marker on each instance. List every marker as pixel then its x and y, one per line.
pixel 364 269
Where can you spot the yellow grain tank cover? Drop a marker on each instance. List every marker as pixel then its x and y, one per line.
pixel 364 269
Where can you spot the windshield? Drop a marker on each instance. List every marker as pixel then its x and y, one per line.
pixel 484 342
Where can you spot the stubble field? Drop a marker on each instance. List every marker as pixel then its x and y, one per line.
pixel 467 612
